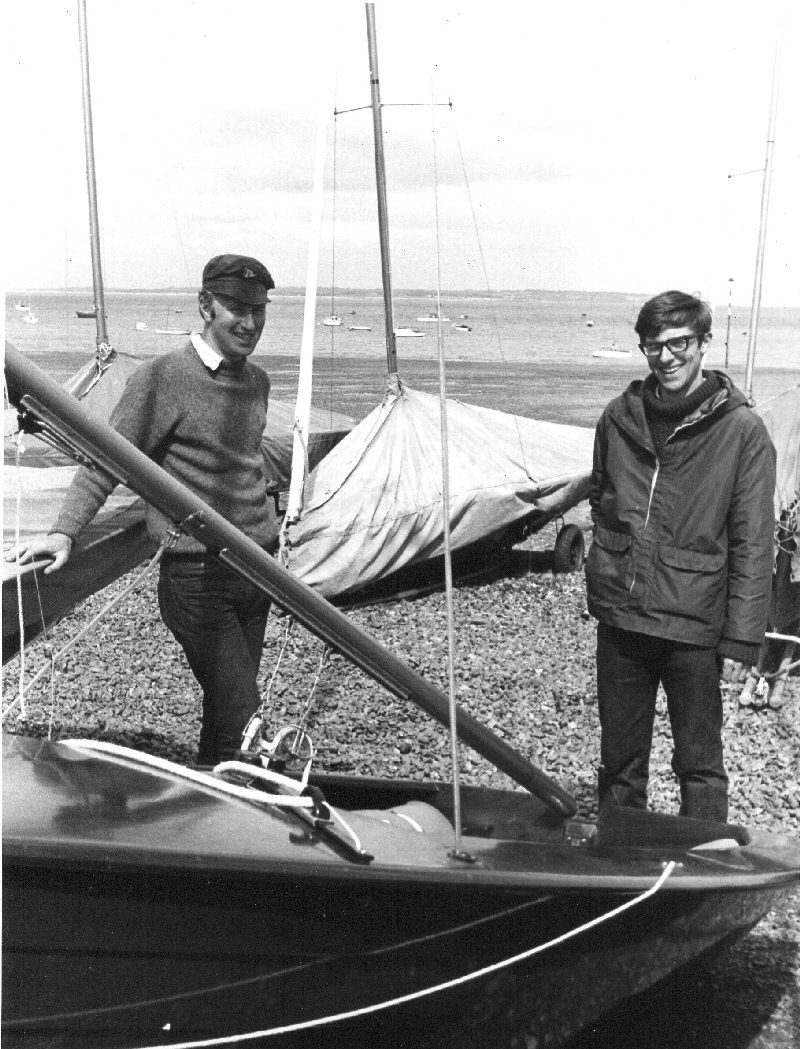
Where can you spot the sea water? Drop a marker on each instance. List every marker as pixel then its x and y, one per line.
pixel 527 351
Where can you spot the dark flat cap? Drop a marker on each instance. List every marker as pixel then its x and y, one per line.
pixel 239 276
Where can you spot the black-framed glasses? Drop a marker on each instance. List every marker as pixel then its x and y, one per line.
pixel 678 347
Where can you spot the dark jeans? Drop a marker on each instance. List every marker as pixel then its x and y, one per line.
pixel 219 620
pixel 629 669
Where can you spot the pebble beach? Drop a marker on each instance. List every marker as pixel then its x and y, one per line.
pixel 524 666
pixel 524 658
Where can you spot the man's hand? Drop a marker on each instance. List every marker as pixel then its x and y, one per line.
pixel 734 671
pixel 55 545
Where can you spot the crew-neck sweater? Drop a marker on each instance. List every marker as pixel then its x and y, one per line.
pixel 205 429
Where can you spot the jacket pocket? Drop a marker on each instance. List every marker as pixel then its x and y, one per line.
pixel 608 567
pixel 614 542
pixel 691 585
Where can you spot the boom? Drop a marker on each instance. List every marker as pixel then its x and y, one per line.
pixel 43 404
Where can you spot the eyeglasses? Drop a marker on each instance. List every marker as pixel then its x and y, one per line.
pixel 678 347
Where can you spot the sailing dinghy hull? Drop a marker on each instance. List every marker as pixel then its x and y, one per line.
pixel 144 903
pixel 140 909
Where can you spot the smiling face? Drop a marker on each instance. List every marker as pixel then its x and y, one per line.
pixel 232 328
pixel 678 375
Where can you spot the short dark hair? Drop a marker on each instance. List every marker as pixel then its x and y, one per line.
pixel 673 309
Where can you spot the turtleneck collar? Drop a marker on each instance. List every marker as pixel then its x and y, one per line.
pixel 678 409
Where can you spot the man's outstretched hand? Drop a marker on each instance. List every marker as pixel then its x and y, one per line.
pixel 54 545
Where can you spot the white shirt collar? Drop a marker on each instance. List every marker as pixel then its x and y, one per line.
pixel 207 355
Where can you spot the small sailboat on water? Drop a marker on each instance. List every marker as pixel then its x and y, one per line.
pixel 614 352
pixel 167 330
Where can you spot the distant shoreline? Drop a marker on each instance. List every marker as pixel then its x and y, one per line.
pixel 417 293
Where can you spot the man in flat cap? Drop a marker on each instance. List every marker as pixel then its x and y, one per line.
pixel 200 412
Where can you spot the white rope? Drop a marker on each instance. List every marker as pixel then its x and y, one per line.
pixel 338 818
pixel 21 618
pixel 203 779
pixel 259 772
pixel 416 995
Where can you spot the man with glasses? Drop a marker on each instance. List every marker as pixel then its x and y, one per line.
pixel 679 571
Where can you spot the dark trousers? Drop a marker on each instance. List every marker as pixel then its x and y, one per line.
pixel 219 620
pixel 629 669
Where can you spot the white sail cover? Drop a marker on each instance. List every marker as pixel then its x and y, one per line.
pixel 374 503
pixel 781 416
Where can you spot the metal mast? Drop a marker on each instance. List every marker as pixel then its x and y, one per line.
pixel 380 178
pixel 103 347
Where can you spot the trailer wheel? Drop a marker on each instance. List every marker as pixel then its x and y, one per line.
pixel 568 550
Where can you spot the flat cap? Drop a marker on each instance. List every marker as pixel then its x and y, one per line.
pixel 239 276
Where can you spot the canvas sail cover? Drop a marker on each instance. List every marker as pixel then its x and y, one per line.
pixel 781 416
pixel 374 504
pixel 35 480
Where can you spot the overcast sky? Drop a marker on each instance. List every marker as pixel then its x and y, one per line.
pixel 588 147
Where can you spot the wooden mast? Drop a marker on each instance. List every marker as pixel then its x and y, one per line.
pixel 104 350
pixel 380 178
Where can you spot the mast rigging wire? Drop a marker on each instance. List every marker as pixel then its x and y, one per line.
pixel 458 851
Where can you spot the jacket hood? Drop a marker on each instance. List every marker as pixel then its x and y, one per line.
pixel 628 410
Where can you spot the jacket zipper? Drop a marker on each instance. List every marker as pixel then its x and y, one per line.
pixel 656 471
pixel 647 515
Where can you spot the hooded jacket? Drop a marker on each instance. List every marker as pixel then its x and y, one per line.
pixel 683 544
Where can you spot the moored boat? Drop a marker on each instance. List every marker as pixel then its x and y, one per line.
pixel 614 352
